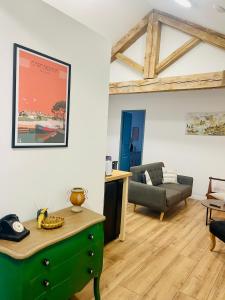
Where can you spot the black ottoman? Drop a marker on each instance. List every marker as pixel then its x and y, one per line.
pixel 217 229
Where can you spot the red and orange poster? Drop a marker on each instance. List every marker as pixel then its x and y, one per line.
pixel 41 99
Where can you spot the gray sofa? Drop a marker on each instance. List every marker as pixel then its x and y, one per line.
pixel 159 197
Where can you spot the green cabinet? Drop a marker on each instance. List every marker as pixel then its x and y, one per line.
pixel 57 271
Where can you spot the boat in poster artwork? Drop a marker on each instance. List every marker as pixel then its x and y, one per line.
pixel 46 126
pixel 42 129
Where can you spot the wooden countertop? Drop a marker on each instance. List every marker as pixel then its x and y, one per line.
pixel 42 238
pixel 117 174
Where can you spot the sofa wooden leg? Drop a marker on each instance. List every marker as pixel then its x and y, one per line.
pixel 161 216
pixel 135 207
pixel 186 203
pixel 213 241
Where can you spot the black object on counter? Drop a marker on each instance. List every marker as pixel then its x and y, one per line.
pixel 115 165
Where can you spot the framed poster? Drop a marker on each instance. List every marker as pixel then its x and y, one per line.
pixel 41 95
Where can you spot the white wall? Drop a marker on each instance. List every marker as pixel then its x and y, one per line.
pixel 165 139
pixel 44 176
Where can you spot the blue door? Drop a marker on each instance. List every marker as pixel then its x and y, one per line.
pixel 125 141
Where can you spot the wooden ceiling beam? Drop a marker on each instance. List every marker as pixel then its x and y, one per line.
pixel 130 62
pixel 178 83
pixel 128 39
pixel 152 46
pixel 178 53
pixel 200 32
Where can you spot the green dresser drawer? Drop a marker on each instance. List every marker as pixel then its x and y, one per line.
pixel 74 272
pixel 71 263
pixel 47 259
pixel 85 268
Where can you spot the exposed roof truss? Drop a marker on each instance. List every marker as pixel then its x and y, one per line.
pixel 151 24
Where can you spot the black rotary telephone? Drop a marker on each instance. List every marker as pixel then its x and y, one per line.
pixel 11 229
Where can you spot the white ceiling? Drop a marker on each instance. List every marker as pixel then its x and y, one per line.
pixel 113 18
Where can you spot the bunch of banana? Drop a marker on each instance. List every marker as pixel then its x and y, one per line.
pixel 41 215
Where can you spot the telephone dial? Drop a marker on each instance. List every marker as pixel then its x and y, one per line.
pixel 11 229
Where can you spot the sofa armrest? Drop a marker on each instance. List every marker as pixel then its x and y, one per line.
pixel 185 180
pixel 150 196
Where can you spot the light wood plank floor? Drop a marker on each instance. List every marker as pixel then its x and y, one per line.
pixel 163 260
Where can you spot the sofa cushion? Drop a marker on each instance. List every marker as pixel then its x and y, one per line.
pixel 154 170
pixel 185 190
pixel 140 177
pixel 147 178
pixel 169 176
pixel 156 175
pixel 172 197
pixel 218 229
pixel 143 178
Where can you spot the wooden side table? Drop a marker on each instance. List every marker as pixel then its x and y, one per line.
pixel 117 175
pixel 212 204
pixel 54 264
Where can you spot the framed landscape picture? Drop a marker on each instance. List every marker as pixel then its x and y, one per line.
pixel 206 123
pixel 41 95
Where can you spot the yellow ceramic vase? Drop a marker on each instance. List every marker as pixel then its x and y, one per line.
pixel 77 197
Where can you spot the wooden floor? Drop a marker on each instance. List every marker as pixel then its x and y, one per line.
pixel 163 260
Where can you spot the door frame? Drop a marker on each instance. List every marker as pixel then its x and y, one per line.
pixel 121 122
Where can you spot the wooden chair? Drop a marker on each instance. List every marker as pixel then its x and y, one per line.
pixel 210 192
